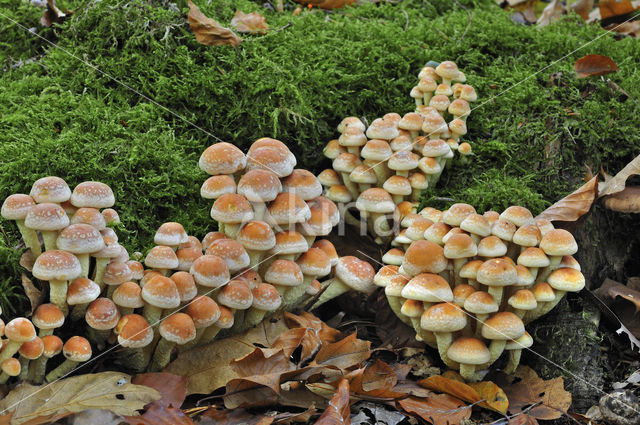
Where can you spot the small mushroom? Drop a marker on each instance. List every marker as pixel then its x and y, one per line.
pixel 469 352
pixel 76 350
pixel 177 329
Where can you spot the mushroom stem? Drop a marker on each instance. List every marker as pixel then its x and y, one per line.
pixel 380 170
pixel 44 332
pixel 444 340
pixel 98 336
pixel 37 369
pixel 427 337
pixel 496 293
pixel 79 311
pixel 152 314
pixel 84 263
pixel 468 372
pixel 457 265
pixel 252 317
pixel 397 199
pixel 9 349
pixel 418 102
pixel 209 334
pixel 554 262
pixel 101 265
pixel 193 342
pixel 396 305
pixel 427 97
pixel 231 229
pixel 334 288
pixel 65 368
pixel 30 238
pixel 162 355
pixel 259 209
pixel 24 368
pixel 480 319
pixel 351 186
pixel 49 237
pixel 4 378
pixel 254 258
pixel 514 361
pixel 58 294
pixel 136 359
pixel 354 150
pixel 495 349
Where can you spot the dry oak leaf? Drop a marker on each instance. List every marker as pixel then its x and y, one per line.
pixel 494 397
pixel 594 65
pixel 47 403
pixel 249 22
pixel 307 320
pixel 551 13
pixel 338 412
pixel 525 388
pixel 574 205
pixel 208 31
pixel 617 183
pixel 610 8
pixel 343 354
pixel 439 409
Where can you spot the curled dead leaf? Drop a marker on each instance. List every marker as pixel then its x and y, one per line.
pixel 551 13
pixel 343 354
pixel 493 396
pixel 618 182
pixel 208 31
pixel 27 261
pixel 574 205
pixel 625 302
pixel 594 65
pixel 249 22
pixel 627 201
pixel 338 412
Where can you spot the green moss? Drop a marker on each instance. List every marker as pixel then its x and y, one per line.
pixel 65 118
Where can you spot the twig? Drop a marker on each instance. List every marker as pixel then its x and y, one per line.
pixel 468 22
pixel 406 16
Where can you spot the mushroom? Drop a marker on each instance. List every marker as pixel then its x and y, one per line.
pixel 236 295
pixel 265 299
pixel 257 237
pixel 204 312
pixel 350 122
pixel 562 281
pixel 482 304
pixel 314 264
pixel 289 245
pixel 496 274
pixel 103 257
pixel 222 158
pixel 80 240
pixel 92 217
pixel 469 352
pixel 448 71
pixel 398 187
pixel 303 184
pixel 500 328
pixel 186 285
pixel 277 160
pixel 383 128
pixel 259 187
pixel 175 329
pixel 443 320
pixel 170 234
pixel 102 316
pixel 378 203
pixel 419 183
pixel 48 218
pixel 417 95
pixel 517 215
pixel 492 247
pixel 10 367
pixel 364 176
pixel 225 321
pixel 394 257
pixel 470 271
pixel 76 350
pixel 329 177
pixel 134 334
pixel 111 217
pixel 57 267
pixel 526 236
pixel 91 194
pixel 162 259
pixel 352 138
pixel 210 238
pixel 324 216
pixel 268 142
pixel 50 189
pixel 186 257
pixel 351 274
pixel 393 284
pixel 115 275
pixel 210 272
pixel 216 186
pixel 52 346
pixel 288 209
pixel 16 207
pixel 423 257
pixel 379 151
pixel 333 149
pixel 29 351
pixel 17 331
pixel 284 275
pixel 159 293
pixel 128 297
pixel 232 252
pixel 412 310
pixel 231 210
pixel 515 351
pixel 436 232
pixel 522 301
pixel 344 164
pixel 459 248
pixel 47 318
pixel 556 243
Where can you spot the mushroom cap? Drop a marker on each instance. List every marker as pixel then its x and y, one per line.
pixel 111 216
pixel 527 235
pixel 544 225
pixel 50 189
pixel 480 302
pixel 314 287
pixel 16 206
pixel 503 229
pixel 395 285
pixel 558 242
pixel 533 257
pixel 284 273
pixel 416 93
pixel 251 277
pixel 345 162
pixel 434 123
pixel 411 121
pixel 460 246
pixel 525 278
pixel 177 328
pixel 266 297
pixel 523 299
pixel 436 232
pixel 497 272
pixel 288 208
pixel 428 287
pixel 424 257
pixel 77 349
pixel 363 174
pixel 403 161
pixel 128 295
pixel 259 185
pixel 48 316
pixel 465 149
pixel 476 224
pixel 458 126
pixel 161 292
pixel 111 249
pixel 11 366
pixel 470 269
pixel 350 122
pixel 525 341
pixel 435 148
pixel 268 142
pixel 289 242
pixel 134 331
pixel 375 200
pixel 543 292
pixel 443 317
pixel 382 128
pixel 492 246
pixel 517 215
pixel 56 265
pixel 339 193
pixel 397 185
pixel 329 177
pixel 186 257
pixel 116 273
pixel 80 239
pixel 20 329
pixel 440 102
pixel 444 89
pixel 333 149
pixel 216 186
pixel 170 234
pixel 186 285
pixel 427 84
pixel 324 215
pixel 46 216
pixel 257 235
pixel 203 311
pixel 328 249
pixel 92 217
pixel 211 237
pixel 226 319
pixel 232 252
pixel 102 314
pixel 231 208
pixel 467 350
pixel 210 271
pixel 236 295
pixel 352 136
pixel 82 291
pixel 456 214
pixel 161 257
pixel 31 350
pixel 222 158
pixel 52 345
pixel 468 93
pixel 376 150
pixel 452 232
pixel 394 257
pixel 459 107
pixel 417 228
pixel 355 273
pixel 503 326
pixel 461 293
pixel 315 263
pixel 566 279
pixel 92 194
pixel 569 261
pixel 270 158
pixel 412 308
pixel 448 70
pixel 418 181
pixel 491 216
pixel 303 183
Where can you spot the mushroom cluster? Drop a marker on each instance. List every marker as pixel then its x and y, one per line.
pixel 396 158
pixel 468 283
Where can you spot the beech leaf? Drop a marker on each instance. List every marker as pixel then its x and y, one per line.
pixel 611 8
pixel 439 409
pixel 338 412
pixel 208 31
pixel 218 416
pixel 173 388
pixel 625 302
pixel 343 354
pixel 249 22
pixel 594 65
pixel 50 402
pixel 574 205
pixel 617 183
pixel 494 396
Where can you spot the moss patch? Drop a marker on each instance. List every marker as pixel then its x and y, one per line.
pixel 65 118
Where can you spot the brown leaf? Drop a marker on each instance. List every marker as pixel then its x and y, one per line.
pixel 617 183
pixel 249 22
pixel 625 302
pixel 594 65
pixel 574 205
pixel 27 261
pixel 36 296
pixel 439 409
pixel 610 8
pixel 207 367
pixel 494 396
pixel 293 338
pixel 219 416
pixel 53 14
pixel 343 354
pixel 307 320
pixel 530 389
pixel 582 8
pixel 631 28
pixel 375 380
pixel 338 412
pixel 47 403
pixel 159 414
pixel 208 31
pixel 173 388
pixel 523 419
pixel 551 13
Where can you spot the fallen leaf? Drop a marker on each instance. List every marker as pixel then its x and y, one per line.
pixel 293 338
pixel 53 15
pixel 50 402
pixel 343 354
pixel 525 388
pixel 574 205
pixel 523 419
pixel 219 416
pixel 582 8
pixel 375 380
pixel 594 65
pixel 610 8
pixel 551 13
pixel 631 28
pixel 249 22
pixel 35 296
pixel 439 409
pixel 208 31
pixel 338 412
pixel 159 414
pixel 173 388
pixel 95 416
pixel 611 291
pixel 27 261
pixel 207 368
pixel 494 396
pixel 308 320
pixel 617 183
